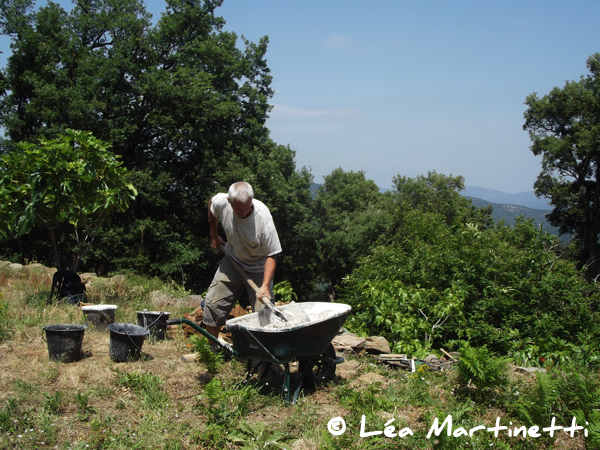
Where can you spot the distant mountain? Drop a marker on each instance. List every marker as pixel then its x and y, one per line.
pixel 314 187
pixel 508 213
pixel 505 206
pixel 527 199
pixel 508 206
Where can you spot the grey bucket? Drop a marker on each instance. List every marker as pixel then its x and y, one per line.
pixel 98 317
pixel 155 321
pixel 126 340
pixel 64 341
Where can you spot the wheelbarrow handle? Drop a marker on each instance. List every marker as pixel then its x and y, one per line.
pixel 205 333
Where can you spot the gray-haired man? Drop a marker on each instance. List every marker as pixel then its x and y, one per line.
pixel 252 242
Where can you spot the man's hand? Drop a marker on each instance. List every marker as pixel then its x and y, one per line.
pixel 216 241
pixel 270 264
pixel 263 292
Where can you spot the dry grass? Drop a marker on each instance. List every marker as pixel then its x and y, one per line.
pixel 160 401
pixel 112 415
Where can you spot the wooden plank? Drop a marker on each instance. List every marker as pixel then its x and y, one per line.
pixel 391 356
pixel 446 353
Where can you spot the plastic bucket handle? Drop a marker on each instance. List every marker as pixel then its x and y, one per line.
pixel 133 342
pixel 162 313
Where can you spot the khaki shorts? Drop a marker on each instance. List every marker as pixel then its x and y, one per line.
pixel 224 291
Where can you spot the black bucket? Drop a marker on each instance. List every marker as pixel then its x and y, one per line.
pixel 64 341
pixel 126 340
pixel 98 317
pixel 155 321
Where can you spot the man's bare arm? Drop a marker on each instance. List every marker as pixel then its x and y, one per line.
pixel 270 265
pixel 215 240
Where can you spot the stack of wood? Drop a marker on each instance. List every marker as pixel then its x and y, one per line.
pixel 432 361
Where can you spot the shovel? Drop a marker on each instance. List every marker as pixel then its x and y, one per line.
pixel 264 315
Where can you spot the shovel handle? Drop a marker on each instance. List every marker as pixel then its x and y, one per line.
pixel 266 300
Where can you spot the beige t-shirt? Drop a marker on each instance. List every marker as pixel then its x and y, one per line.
pixel 249 240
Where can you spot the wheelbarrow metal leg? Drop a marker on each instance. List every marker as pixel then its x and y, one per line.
pixel 286 383
pixel 250 371
pixel 298 388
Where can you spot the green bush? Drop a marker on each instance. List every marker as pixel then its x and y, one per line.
pixel 511 289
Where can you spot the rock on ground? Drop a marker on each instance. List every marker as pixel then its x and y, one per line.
pixel 347 369
pixel 374 345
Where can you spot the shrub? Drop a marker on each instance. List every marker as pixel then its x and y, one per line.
pixel 510 289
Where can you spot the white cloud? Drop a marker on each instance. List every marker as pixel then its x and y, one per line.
pixel 282 111
pixel 336 40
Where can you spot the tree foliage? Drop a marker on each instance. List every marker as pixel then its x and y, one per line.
pixel 564 127
pixel 440 194
pixel 72 179
pixel 351 215
pixel 185 104
pixel 510 288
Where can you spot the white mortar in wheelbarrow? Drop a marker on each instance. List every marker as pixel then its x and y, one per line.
pixel 297 314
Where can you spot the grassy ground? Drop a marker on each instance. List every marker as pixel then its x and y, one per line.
pixel 161 401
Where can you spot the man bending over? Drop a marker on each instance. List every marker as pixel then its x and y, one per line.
pixel 252 242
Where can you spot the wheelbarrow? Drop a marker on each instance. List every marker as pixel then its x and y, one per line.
pixel 307 342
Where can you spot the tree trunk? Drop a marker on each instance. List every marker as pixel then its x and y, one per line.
pixel 54 248
pixel 593 265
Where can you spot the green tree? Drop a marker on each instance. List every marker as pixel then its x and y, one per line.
pixel 440 194
pixel 184 103
pixel 564 127
pixel 351 215
pixel 73 179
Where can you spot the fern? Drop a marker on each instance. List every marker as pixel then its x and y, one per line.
pixel 481 374
pixel 211 360
pixel 584 392
pixel 224 404
pixel 214 391
pixel 542 402
pixel 593 439
pixel 217 403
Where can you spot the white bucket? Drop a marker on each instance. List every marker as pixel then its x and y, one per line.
pixel 98 317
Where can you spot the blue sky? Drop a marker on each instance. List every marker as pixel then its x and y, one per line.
pixel 397 87
pixel 405 87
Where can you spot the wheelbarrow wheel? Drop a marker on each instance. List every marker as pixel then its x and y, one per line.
pixel 317 373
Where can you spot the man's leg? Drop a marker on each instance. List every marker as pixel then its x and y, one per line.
pixel 222 295
pixel 214 331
